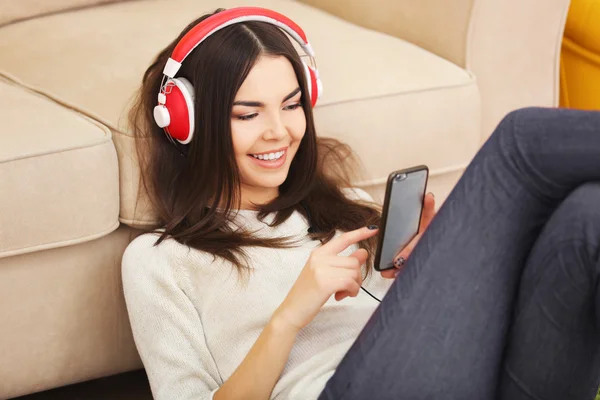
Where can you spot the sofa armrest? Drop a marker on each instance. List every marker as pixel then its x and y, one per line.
pixel 512 46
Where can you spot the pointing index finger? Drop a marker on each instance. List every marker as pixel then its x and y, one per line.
pixel 342 242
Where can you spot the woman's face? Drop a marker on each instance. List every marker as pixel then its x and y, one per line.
pixel 267 125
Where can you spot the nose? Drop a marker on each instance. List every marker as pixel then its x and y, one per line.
pixel 275 130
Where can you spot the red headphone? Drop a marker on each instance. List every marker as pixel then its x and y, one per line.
pixel 175 109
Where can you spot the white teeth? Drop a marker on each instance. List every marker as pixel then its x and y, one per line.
pixel 269 156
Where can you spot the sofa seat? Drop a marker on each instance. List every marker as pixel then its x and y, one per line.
pixel 425 110
pixel 58 175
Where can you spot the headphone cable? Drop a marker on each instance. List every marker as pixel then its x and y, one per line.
pixel 367 292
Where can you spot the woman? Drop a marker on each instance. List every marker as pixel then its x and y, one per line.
pixel 249 286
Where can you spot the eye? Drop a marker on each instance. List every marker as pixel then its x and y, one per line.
pixel 292 107
pixel 247 117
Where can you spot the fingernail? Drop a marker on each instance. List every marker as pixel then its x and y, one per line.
pixel 399 262
pixel 432 195
pixel 396 273
pixel 373 227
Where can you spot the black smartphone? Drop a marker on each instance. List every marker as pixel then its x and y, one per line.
pixel 401 214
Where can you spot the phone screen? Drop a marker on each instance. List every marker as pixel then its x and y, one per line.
pixel 401 214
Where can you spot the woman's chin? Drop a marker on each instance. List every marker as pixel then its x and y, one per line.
pixel 271 182
pixel 267 178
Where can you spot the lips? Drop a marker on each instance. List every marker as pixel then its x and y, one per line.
pixel 270 159
pixel 269 156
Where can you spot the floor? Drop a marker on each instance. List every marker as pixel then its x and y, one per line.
pixel 129 386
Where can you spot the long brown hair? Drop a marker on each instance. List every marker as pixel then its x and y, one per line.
pixel 192 195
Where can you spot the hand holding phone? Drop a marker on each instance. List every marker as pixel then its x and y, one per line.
pixel 401 215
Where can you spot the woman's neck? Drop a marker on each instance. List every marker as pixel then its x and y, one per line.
pixel 252 196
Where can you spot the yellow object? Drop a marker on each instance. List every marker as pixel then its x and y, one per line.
pixel 580 58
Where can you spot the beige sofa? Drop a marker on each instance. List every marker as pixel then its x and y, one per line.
pixel 406 82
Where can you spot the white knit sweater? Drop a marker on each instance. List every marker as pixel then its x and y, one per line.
pixel 194 321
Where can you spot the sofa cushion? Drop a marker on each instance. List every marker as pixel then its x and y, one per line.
pixel 396 104
pixel 22 9
pixel 58 175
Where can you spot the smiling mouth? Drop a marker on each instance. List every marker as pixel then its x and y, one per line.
pixel 270 156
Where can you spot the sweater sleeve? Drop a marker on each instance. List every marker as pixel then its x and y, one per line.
pixel 166 326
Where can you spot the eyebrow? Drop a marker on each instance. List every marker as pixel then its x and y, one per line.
pixel 261 104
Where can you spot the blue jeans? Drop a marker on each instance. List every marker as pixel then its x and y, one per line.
pixel 500 298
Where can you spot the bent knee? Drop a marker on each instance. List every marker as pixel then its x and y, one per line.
pixel 517 132
pixel 549 123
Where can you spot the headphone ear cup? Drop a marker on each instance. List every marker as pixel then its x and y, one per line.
pixel 314 83
pixel 180 105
